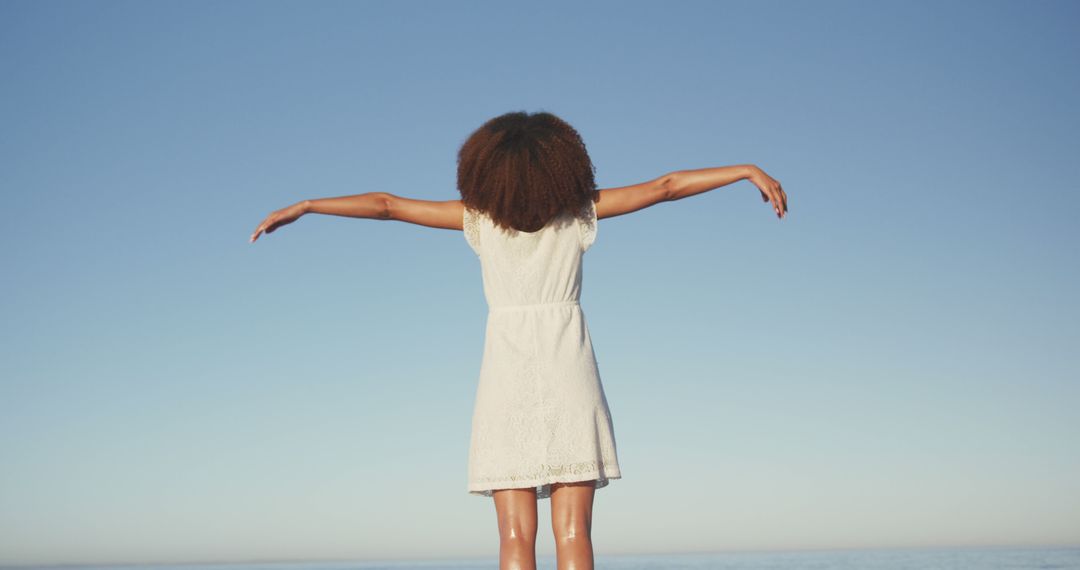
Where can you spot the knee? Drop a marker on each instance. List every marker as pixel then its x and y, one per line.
pixel 514 536
pixel 572 534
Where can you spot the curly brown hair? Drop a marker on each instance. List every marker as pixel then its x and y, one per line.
pixel 524 170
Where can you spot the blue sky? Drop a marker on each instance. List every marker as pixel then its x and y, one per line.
pixel 892 365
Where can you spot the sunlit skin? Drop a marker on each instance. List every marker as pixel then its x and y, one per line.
pixel 571 503
pixel 571 525
pixel 612 202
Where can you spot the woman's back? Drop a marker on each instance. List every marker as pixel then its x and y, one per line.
pixel 529 268
pixel 541 415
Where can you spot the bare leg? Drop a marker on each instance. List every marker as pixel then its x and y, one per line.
pixel 571 521
pixel 516 509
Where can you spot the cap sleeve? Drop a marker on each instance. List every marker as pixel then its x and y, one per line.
pixel 470 224
pixel 587 226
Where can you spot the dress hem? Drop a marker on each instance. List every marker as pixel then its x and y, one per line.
pixel 542 485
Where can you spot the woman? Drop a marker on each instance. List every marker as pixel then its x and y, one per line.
pixel 529 207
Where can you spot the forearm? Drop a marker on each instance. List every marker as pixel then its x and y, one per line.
pixel 367 205
pixel 685 183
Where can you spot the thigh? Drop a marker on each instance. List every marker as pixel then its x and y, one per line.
pixel 571 508
pixel 516 509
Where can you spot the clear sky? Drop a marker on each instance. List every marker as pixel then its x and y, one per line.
pixel 895 364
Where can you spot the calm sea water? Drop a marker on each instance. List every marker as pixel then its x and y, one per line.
pixel 900 559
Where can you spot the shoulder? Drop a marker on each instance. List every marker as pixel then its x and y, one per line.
pixel 470 225
pixel 587 224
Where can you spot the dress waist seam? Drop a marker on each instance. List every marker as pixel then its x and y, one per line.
pixel 532 306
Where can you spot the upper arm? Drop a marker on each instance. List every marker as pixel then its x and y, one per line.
pixel 432 213
pixel 626 199
pixel 448 213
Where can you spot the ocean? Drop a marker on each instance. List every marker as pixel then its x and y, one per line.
pixel 986 558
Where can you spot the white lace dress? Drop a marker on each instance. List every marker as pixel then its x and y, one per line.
pixel 540 413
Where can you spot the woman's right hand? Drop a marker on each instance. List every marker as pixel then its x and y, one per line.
pixel 280 218
pixel 770 189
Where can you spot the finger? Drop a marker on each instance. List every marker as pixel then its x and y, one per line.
pixel 266 224
pixel 780 205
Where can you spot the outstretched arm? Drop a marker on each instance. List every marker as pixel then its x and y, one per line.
pixel 683 183
pixel 374 205
pixel 689 182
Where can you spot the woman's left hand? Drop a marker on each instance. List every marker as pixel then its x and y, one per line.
pixel 279 218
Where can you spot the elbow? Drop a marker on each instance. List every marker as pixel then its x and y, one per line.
pixel 385 206
pixel 671 186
